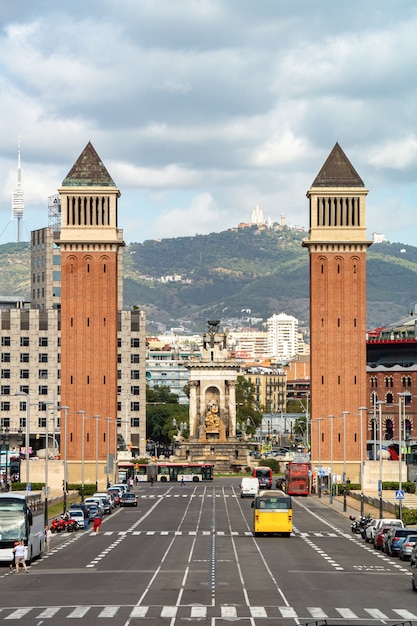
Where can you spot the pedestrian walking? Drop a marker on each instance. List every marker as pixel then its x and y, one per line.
pixel 48 535
pixel 97 523
pixel 13 561
pixel 20 557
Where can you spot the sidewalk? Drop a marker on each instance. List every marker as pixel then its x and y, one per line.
pixel 371 504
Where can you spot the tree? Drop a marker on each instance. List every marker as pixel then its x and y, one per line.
pixel 247 411
pixel 161 409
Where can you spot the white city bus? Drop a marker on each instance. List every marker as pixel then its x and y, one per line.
pixel 21 517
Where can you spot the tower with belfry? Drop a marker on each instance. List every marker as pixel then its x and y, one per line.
pixel 337 246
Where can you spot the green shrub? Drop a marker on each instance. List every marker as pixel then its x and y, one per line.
pixel 272 463
pixel 409 516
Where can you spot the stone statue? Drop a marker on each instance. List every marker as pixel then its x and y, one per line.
pixel 212 420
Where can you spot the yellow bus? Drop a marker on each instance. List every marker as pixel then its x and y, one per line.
pixel 272 513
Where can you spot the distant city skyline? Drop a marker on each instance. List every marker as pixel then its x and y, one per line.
pixel 204 110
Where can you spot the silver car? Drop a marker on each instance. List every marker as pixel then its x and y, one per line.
pixel 407 547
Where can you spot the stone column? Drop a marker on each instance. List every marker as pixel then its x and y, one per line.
pixel 193 410
pixel 232 407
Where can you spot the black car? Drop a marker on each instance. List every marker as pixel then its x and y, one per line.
pixel 128 499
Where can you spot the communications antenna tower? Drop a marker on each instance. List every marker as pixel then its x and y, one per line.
pixel 18 204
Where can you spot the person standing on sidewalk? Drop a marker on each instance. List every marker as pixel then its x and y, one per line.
pixel 48 535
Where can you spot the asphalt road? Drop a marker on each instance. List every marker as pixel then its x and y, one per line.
pixel 186 554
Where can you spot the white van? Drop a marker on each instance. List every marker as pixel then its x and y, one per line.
pixel 249 487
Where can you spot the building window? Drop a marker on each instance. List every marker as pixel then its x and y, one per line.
pixel 24 373
pixel 134 390
pixel 41 406
pixel 119 342
pixel 134 374
pixel 5 390
pixel 119 408
pixel 42 422
pixel 390 398
pixel 119 358
pixel 22 422
pixel 5 422
pixel 134 422
pixel 135 406
pixel 43 373
pixel 43 341
pixel 134 342
pixel 134 358
pixel 24 341
pixel 24 388
pixel 374 381
pixel 5 357
pixel 5 406
pixel 24 357
pixel 5 341
pixel 43 357
pixel 43 390
pixel 5 373
pixel 389 382
pixel 119 374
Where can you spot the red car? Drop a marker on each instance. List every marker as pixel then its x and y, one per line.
pixel 379 537
pixel 115 495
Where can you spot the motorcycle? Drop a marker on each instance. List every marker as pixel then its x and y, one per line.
pixel 358 526
pixel 57 525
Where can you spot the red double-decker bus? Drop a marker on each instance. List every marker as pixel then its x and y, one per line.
pixel 297 478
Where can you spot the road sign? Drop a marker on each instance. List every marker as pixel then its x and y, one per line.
pixel 399 494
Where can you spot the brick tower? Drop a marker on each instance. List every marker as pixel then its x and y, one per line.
pixel 337 246
pixel 91 295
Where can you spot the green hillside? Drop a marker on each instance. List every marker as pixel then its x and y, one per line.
pixel 235 273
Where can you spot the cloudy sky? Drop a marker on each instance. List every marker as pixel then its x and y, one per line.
pixel 202 109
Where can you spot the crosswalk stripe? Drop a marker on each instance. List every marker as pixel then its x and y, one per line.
pixel 198 611
pixel 169 611
pixel 109 611
pixel 376 614
pixel 258 611
pixel 405 614
pixel 347 613
pixel 228 611
pixel 317 612
pixel 287 611
pixel 79 611
pixel 49 612
pixel 19 613
pixel 139 611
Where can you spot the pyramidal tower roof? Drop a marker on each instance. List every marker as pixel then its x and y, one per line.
pixel 338 171
pixel 88 171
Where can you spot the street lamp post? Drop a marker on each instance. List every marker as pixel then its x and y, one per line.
pixel 82 413
pixel 381 508
pixel 65 409
pixel 401 431
pixel 319 420
pixel 47 405
pixel 331 418
pixel 344 413
pixel 27 433
pixel 108 420
pixel 361 408
pixel 96 417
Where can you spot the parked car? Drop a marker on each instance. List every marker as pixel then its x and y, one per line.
pixel 128 499
pixel 93 510
pixel 393 540
pixel 379 536
pixel 407 547
pixel 78 516
pixel 116 495
pixel 377 524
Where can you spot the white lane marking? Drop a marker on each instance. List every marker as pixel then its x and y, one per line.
pixel 228 611
pixel 79 611
pixel 376 614
pixel 317 612
pixel 347 613
pixel 169 611
pixel 19 613
pixel 109 611
pixel 198 611
pixel 49 612
pixel 258 611
pixel 139 611
pixel 287 611
pixel 405 614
